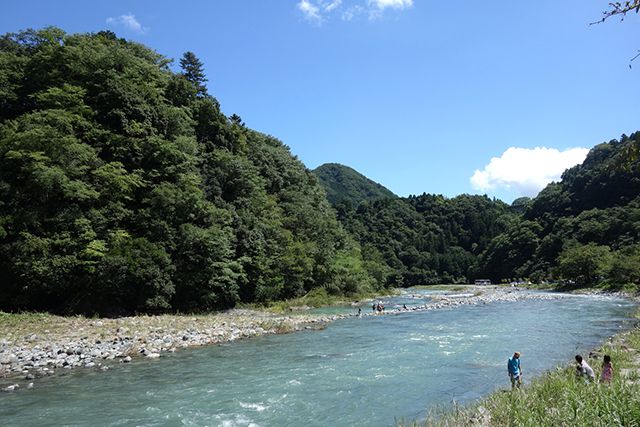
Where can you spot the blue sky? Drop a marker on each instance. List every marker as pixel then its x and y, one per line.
pixel 420 96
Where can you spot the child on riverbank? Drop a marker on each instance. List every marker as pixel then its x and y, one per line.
pixel 607 370
pixel 583 370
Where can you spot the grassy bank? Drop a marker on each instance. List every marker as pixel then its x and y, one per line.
pixel 559 398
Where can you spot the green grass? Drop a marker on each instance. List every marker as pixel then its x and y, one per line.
pixel 558 398
pixel 12 320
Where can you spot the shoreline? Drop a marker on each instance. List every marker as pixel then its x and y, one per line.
pixel 607 403
pixel 41 345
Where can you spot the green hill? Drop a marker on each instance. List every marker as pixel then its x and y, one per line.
pixel 123 189
pixel 343 183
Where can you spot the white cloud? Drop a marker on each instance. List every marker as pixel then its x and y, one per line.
pixel 319 11
pixel 129 22
pixel 526 171
pixel 310 11
pixel 393 4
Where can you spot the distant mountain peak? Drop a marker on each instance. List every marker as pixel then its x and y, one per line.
pixel 343 183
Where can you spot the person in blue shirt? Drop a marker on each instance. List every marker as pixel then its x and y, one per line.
pixel 514 369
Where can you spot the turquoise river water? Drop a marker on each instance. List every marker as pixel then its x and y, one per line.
pixel 365 371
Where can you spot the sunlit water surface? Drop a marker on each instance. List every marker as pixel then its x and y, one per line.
pixel 358 371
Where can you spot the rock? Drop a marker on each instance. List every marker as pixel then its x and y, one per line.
pixel 126 359
pixel 30 385
pixel 152 355
pixel 11 388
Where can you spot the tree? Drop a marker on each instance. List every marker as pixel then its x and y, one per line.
pixel 193 71
pixel 236 120
pixel 626 266
pixel 586 265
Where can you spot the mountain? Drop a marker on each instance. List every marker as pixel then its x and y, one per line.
pixel 343 183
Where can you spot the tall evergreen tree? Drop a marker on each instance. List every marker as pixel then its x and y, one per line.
pixel 193 71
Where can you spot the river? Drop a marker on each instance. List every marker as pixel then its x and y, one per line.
pixel 365 371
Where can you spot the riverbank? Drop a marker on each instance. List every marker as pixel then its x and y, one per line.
pixel 38 345
pixel 560 398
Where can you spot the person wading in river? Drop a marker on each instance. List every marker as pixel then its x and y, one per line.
pixel 514 369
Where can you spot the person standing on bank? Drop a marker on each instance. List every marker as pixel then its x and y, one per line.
pixel 514 369
pixel 607 370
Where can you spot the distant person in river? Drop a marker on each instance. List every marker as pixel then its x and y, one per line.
pixel 514 369
pixel 607 370
pixel 583 370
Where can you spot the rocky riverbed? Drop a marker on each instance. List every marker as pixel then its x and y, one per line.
pixel 47 345
pixel 41 345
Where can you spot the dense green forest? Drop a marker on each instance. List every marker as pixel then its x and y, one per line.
pixel 426 239
pixel 344 184
pixel 124 188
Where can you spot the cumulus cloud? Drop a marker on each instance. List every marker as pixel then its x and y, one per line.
pixel 129 22
pixel 526 170
pixel 318 11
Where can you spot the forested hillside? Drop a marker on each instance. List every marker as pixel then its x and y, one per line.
pixel 343 184
pixel 123 188
pixel 584 229
pixel 427 239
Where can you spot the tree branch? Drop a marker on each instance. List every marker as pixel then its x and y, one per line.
pixel 619 8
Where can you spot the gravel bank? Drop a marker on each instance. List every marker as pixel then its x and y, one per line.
pixel 47 345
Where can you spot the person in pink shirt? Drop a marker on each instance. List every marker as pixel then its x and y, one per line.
pixel 607 370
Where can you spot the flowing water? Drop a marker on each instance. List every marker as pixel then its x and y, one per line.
pixel 366 371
